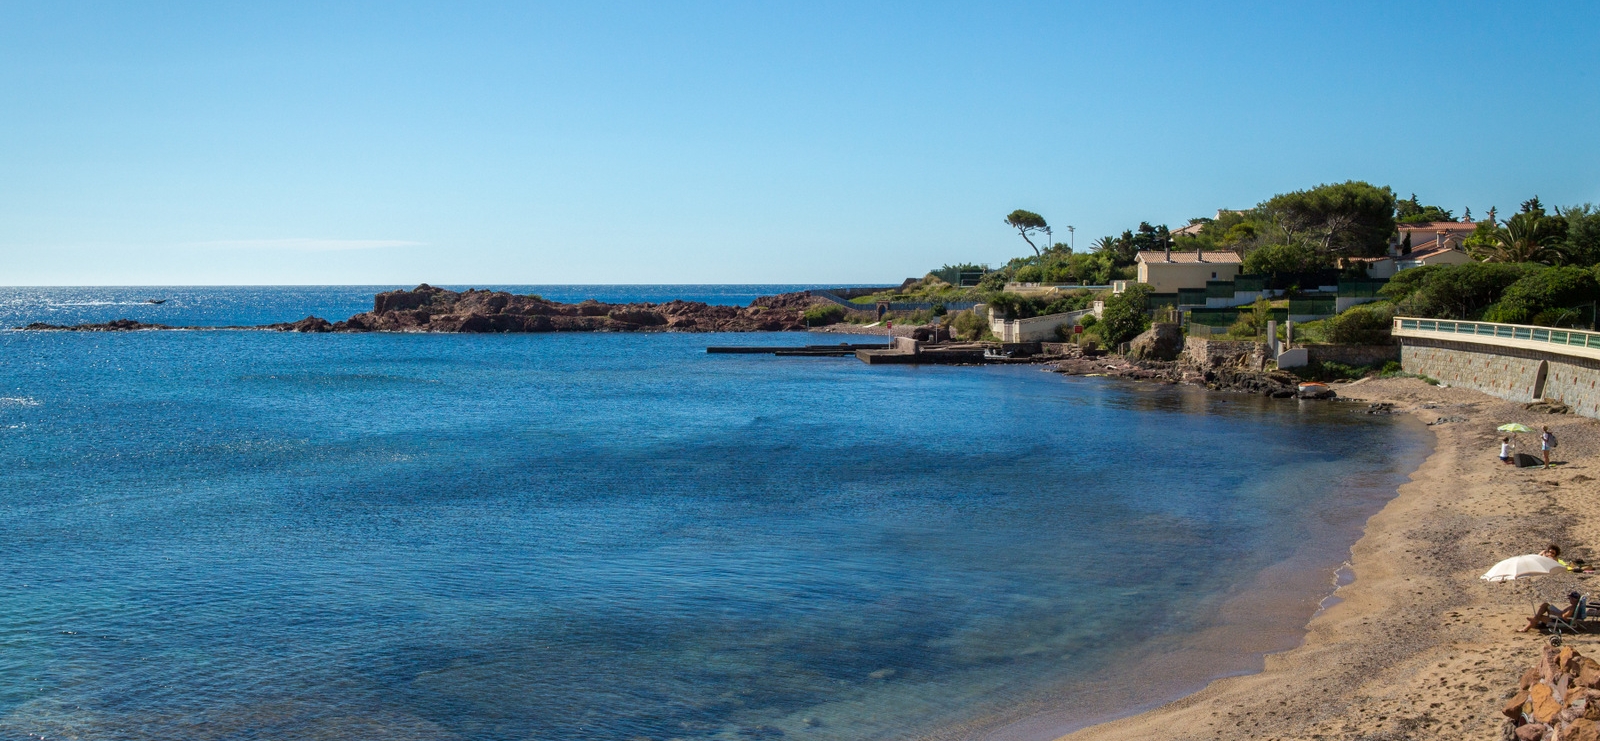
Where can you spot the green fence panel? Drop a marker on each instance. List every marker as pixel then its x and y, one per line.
pixel 1320 306
pixel 1360 287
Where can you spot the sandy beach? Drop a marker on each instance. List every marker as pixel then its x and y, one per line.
pixel 1418 647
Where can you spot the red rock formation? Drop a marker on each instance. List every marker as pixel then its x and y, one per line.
pixel 429 309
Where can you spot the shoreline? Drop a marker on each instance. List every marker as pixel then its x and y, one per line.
pixel 1415 646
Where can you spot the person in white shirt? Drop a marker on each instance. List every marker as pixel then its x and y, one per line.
pixel 1505 450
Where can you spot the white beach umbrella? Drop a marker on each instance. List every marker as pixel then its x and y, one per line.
pixel 1522 567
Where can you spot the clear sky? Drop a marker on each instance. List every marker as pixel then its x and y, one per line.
pixel 657 142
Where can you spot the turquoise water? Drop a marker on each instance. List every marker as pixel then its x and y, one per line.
pixel 242 535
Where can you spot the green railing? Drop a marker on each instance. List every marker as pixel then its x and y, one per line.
pixel 1219 289
pixel 1192 296
pixel 1549 335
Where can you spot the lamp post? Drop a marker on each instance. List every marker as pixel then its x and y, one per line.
pixel 1072 238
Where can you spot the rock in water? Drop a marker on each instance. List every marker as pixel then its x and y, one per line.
pixel 308 324
pixel 430 309
pixel 1162 341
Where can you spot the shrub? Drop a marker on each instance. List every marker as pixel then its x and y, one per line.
pixel 1367 324
pixel 1280 258
pixel 824 314
pixel 968 325
pixel 1014 306
pixel 1029 274
pixel 1329 371
pixel 1455 291
pixel 1126 315
pixel 1073 301
pixel 1543 294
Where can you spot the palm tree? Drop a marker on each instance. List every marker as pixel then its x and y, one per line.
pixel 1525 237
pixel 1105 244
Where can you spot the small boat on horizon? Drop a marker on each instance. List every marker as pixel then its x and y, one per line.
pixel 155 300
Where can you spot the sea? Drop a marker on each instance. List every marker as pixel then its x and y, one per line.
pixel 230 534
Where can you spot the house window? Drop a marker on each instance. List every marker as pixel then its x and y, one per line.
pixel 1213 275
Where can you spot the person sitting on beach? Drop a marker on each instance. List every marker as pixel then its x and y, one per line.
pixel 1505 450
pixel 1547 610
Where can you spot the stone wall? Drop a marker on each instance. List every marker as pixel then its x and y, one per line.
pixel 1507 372
pixel 1231 354
pixel 1352 355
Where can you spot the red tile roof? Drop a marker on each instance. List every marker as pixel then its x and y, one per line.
pixel 1431 251
pixel 1212 258
pixel 1434 226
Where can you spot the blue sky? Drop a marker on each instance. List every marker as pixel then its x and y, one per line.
pixel 385 142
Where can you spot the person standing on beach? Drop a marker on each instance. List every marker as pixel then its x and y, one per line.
pixel 1547 441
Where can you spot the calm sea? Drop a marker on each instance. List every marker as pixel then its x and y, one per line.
pixel 183 306
pixel 251 535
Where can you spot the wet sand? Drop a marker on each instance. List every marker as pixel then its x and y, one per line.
pixel 1417 647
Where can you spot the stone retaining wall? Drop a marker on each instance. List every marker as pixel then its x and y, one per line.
pixel 1508 372
pixel 1225 353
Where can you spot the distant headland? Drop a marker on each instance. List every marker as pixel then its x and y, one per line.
pixel 429 309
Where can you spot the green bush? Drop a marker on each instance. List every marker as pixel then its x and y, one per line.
pixel 1280 258
pixel 1089 320
pixel 1367 324
pixel 1126 315
pixel 1544 294
pixel 1073 301
pixel 1331 371
pixel 1014 306
pixel 1454 291
pixel 968 325
pixel 824 314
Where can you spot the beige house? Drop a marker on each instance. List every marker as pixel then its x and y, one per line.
pixel 1433 255
pixel 1388 265
pixel 1166 272
pixel 1435 235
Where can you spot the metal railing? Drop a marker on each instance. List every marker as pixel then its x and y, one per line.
pixel 1566 341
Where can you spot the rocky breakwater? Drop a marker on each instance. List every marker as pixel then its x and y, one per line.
pixel 1163 354
pixel 429 309
pixel 1557 699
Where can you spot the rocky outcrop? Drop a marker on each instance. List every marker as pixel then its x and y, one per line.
pixel 115 325
pixel 429 309
pixel 1219 366
pixel 1560 697
pixel 308 324
pixel 1162 341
